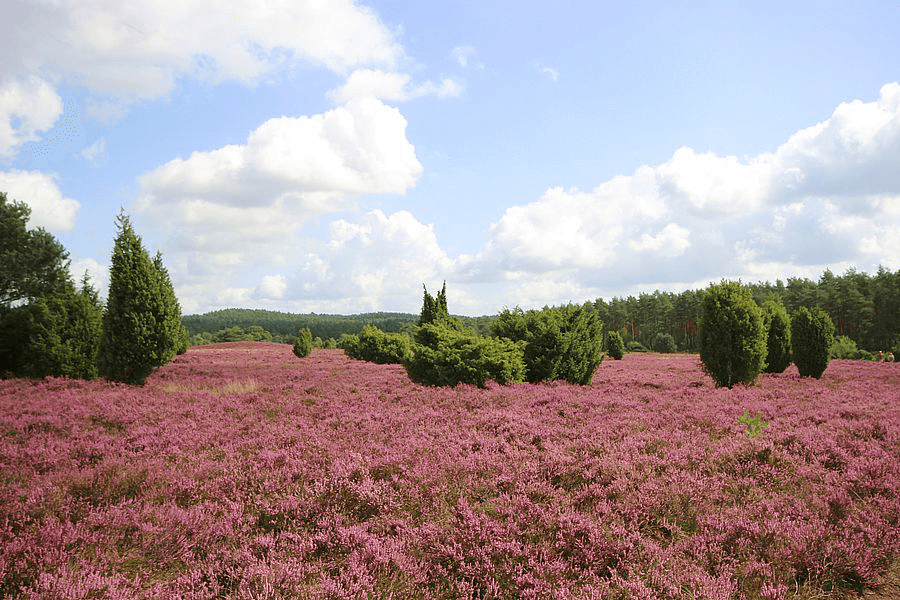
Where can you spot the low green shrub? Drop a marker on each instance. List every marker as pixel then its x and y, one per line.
pixel 665 343
pixel 563 342
pixel 615 347
pixel 303 345
pixel 636 346
pixel 732 335
pixel 374 345
pixel 447 356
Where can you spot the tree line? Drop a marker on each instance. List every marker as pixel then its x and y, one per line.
pixel 864 308
pixel 51 327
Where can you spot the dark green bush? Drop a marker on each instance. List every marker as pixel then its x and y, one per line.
pixel 665 343
pixel 303 345
pixel 376 346
pixel 615 347
pixel 812 335
pixel 563 342
pixel 448 356
pixel 732 336
pixel 778 336
pixel 636 346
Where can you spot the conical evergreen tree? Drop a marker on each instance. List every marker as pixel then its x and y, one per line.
pixel 139 333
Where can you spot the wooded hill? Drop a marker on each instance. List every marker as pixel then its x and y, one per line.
pixel 863 307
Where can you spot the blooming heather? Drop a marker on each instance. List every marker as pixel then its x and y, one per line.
pixel 239 471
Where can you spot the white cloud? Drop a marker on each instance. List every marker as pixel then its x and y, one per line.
pixel 272 286
pixel 312 163
pixel 242 207
pixel 391 86
pixel 829 196
pixel 49 207
pixel 467 57
pixel 548 72
pixel 139 50
pixel 28 106
pixel 95 153
pixel 672 240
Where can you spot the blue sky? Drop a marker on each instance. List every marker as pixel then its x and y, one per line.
pixel 333 157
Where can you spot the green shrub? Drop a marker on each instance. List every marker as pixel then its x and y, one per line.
pixel 563 342
pixel 732 337
pixel 844 347
pixel 812 335
pixel 303 345
pixel 636 346
pixel 665 343
pixel 376 346
pixel 449 356
pixel 778 336
pixel 615 347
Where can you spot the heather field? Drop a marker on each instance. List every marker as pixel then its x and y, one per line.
pixel 241 471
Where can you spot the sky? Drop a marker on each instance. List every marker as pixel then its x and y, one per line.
pixel 333 157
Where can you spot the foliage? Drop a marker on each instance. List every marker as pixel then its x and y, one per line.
pixel 615 347
pixel 376 346
pixel 563 342
pixel 141 321
pixel 732 337
pixel 434 308
pixel 62 334
pixel 184 341
pixel 240 471
pixel 447 356
pixel 635 346
pixel 754 425
pixel 47 327
pixel 303 345
pixel 32 262
pixel 282 327
pixel 777 325
pixel 812 335
pixel 665 343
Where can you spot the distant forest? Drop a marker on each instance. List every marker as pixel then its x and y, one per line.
pixel 863 307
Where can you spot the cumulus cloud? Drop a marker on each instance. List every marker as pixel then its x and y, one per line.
pixel 140 50
pixel 242 205
pixel 828 196
pixel 50 209
pixel 357 148
pixel 28 106
pixel 692 219
pixel 391 86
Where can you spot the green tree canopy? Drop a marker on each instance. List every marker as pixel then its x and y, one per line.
pixel 141 324
pixel 732 337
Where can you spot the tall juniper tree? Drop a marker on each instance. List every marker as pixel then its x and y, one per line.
pixel 139 325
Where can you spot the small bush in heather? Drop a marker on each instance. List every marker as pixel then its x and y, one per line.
pixel 732 337
pixel 563 342
pixel 778 336
pixel 615 347
pixel 812 335
pixel 665 343
pixel 376 346
pixel 843 347
pixel 636 346
pixel 303 345
pixel 450 356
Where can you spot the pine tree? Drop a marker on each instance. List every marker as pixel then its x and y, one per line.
pixel 139 325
